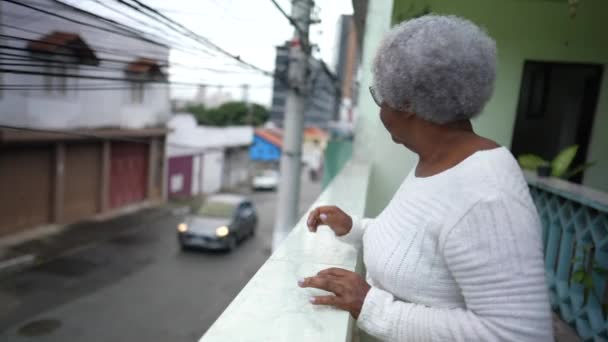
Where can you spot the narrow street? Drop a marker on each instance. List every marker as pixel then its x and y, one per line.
pixel 135 287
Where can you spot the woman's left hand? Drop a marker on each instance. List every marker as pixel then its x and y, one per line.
pixel 349 289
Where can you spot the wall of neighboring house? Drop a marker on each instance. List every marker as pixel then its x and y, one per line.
pixel 197 172
pixel 65 178
pixel 524 30
pixel 26 176
pixel 66 181
pixel 213 168
pixel 57 109
pixel 236 167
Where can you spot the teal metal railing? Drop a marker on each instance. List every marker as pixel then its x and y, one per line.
pixel 337 154
pixel 575 238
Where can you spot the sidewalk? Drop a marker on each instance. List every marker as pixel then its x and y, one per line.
pixel 73 237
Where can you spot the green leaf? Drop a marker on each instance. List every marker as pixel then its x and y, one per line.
pixel 579 169
pixel 562 162
pixel 531 161
pixel 600 270
pixel 578 276
pixel 588 281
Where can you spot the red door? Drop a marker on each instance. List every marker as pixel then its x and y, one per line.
pixel 128 173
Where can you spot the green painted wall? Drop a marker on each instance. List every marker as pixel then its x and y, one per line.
pixel 390 162
pixel 337 153
pixel 533 30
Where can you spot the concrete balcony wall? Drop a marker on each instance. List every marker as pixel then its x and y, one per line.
pixel 271 307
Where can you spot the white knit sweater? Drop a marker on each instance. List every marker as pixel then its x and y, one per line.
pixel 457 257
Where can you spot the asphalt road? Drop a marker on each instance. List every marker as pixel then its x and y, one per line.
pixel 135 287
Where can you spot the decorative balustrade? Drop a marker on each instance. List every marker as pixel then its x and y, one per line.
pixel 575 238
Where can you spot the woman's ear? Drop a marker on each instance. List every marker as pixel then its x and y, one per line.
pixel 406 112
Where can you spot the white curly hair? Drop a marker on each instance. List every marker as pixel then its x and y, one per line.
pixel 441 68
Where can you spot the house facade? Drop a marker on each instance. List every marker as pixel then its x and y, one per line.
pixel 82 117
pixel 203 159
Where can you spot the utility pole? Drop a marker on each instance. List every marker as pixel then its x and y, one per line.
pixel 247 104
pixel 289 187
pixel 249 114
pixel 1 41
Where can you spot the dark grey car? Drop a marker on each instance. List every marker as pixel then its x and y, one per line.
pixel 221 223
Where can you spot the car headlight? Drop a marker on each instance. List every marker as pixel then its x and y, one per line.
pixel 182 227
pixel 222 231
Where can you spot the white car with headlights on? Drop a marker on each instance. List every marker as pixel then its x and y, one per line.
pixel 266 180
pixel 221 223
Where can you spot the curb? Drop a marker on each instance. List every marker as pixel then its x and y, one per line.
pixel 22 262
pixel 16 263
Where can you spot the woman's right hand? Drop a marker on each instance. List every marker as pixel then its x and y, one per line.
pixel 331 216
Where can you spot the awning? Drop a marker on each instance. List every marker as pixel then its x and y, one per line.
pixel 66 46
pixel 145 69
pixel 273 136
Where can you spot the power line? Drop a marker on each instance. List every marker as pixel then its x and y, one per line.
pixel 109 60
pixel 105 78
pixel 305 43
pixel 172 24
pixel 105 59
pixel 57 53
pixel 85 88
pixel 121 33
pixel 39 61
pixel 301 32
pixel 95 47
pixel 141 22
pixel 226 13
pixel 188 33
pixel 120 86
pixel 137 34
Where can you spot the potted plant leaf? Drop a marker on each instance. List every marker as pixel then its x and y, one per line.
pixel 559 167
pixel 583 269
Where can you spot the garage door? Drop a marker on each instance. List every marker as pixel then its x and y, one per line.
pixel 82 181
pixel 26 178
pixel 128 173
pixel 180 177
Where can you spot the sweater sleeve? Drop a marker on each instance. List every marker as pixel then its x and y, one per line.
pixel 355 235
pixel 495 257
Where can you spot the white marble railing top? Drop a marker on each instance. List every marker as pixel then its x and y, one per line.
pixel 271 307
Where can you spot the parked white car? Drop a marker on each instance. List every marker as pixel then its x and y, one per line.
pixel 266 180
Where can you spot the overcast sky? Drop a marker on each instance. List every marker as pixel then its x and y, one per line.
pixel 248 28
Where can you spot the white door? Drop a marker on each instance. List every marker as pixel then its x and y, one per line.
pixel 213 164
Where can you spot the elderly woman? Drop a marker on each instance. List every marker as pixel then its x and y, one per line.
pixel 456 255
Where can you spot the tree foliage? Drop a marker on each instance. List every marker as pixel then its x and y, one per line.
pixel 229 113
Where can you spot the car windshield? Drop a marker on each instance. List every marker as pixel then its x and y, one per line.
pixel 267 173
pixel 216 209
